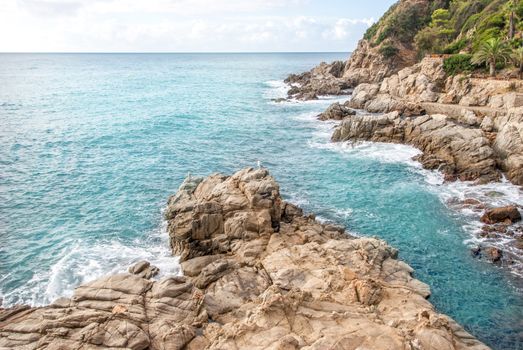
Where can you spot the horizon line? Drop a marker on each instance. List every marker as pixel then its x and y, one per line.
pixel 165 52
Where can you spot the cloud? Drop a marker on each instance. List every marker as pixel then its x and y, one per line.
pixel 172 25
pixel 51 7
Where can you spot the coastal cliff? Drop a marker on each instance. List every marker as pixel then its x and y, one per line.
pixel 422 69
pixel 257 274
pixel 398 67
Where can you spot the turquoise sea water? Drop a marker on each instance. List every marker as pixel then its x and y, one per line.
pixel 92 145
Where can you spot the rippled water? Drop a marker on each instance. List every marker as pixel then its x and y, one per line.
pixel 92 145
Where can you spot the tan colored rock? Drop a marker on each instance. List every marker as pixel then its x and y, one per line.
pixel 448 146
pixel 324 79
pixel 336 111
pixel 508 144
pixel 259 275
pixel 144 269
pixel 509 215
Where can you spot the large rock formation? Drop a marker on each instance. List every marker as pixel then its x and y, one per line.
pixel 459 151
pixel 508 144
pixel 388 46
pixel 484 110
pixel 426 86
pixel 325 79
pixel 258 275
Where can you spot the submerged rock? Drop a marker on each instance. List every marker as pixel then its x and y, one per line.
pixel 258 275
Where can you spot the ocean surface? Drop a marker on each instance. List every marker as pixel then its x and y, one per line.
pixel 92 145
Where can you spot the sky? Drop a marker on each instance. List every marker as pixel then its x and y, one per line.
pixel 185 25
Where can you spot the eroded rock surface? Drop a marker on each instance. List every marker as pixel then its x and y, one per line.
pixel 258 275
pixel 337 111
pixel 458 151
pixel 324 79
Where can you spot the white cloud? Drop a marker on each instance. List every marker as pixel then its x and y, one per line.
pixel 171 25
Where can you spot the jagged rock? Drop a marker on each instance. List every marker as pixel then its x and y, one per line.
pixel 508 144
pixel 324 79
pixel 454 149
pixel 336 111
pixel 404 91
pixel 487 124
pixel 259 275
pixel 509 215
pixel 469 118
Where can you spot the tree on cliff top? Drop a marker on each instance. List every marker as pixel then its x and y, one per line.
pixel 491 52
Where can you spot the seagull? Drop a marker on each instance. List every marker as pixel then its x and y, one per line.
pixel 189 176
pixel 259 164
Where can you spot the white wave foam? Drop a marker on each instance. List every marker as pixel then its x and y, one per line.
pixel 277 89
pixel 492 195
pixel 382 152
pixel 324 101
pixel 83 263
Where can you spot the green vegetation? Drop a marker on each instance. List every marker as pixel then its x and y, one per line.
pixel 460 63
pixel 517 58
pixel 388 51
pixel 469 30
pixel 492 52
pixel 467 24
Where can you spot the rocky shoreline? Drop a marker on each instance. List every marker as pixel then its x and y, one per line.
pixel 258 274
pixel 469 128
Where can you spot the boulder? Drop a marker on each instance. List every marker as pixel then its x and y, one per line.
pixel 336 111
pixel 144 269
pixel 509 215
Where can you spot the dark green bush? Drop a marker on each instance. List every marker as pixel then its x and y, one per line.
pixel 371 32
pixel 456 64
pixel 455 47
pixel 382 36
pixel 519 9
pixel 388 51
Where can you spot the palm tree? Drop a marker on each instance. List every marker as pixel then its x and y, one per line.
pixel 517 57
pixel 491 52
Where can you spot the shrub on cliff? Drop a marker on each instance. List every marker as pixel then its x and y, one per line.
pixel 457 64
pixel 388 51
pixel 517 58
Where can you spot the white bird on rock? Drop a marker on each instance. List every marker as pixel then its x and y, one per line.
pixel 259 164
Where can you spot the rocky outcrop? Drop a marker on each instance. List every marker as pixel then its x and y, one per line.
pixel 259 274
pixel 337 111
pixel 507 215
pixel 482 109
pixel 325 79
pixel 367 65
pixel 508 144
pixel 424 84
pixel 459 151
